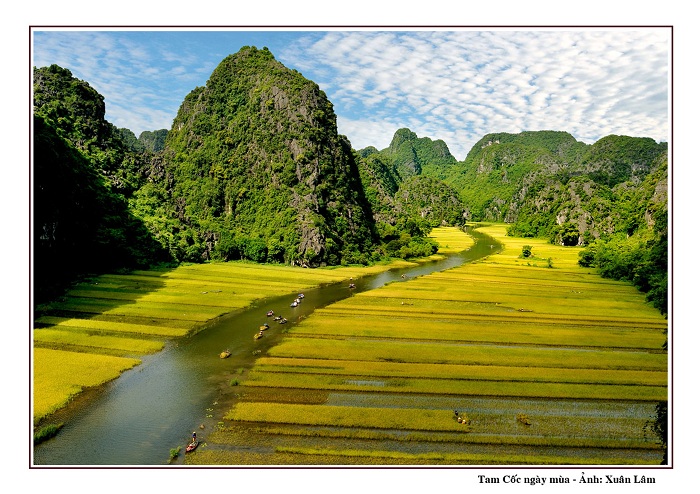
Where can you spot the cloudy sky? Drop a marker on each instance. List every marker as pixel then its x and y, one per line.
pixel 450 84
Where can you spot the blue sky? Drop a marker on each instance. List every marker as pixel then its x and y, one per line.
pixel 450 84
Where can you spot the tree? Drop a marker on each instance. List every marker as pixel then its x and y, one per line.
pixel 569 234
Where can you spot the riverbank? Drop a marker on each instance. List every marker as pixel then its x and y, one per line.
pixel 506 360
pixel 106 325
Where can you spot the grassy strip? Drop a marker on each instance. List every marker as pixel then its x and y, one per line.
pixel 451 240
pixel 486 425
pixel 539 301
pixel 461 438
pixel 164 311
pixel 60 375
pixel 405 419
pixel 562 258
pixel 46 432
pixel 380 324
pixel 459 387
pixel 478 312
pixel 48 337
pixel 112 326
pixel 465 354
pixel 204 298
pixel 456 458
pixel 459 372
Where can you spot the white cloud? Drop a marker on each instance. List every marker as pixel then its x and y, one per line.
pixel 455 85
pixel 587 82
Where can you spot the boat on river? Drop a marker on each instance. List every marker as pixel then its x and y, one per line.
pixel 225 354
pixel 192 446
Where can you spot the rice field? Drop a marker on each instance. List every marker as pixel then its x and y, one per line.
pixel 451 240
pixel 508 360
pixel 59 375
pixel 105 325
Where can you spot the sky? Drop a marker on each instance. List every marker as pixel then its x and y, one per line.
pixel 462 84
pixel 451 84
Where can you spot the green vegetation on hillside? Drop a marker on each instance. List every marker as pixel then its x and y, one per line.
pixel 638 252
pixel 254 168
pixel 80 225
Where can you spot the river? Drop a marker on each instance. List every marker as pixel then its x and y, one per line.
pixel 137 418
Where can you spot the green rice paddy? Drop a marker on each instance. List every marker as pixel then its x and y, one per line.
pixel 546 362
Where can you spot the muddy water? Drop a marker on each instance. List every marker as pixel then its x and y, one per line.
pixel 140 417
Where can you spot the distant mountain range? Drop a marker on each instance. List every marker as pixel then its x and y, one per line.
pixel 254 168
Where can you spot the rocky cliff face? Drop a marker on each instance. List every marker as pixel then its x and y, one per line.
pixel 256 155
pixel 411 155
pixel 545 182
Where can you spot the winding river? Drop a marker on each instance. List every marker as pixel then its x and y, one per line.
pixel 137 418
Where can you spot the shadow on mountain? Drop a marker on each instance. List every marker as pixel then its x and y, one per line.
pixel 80 227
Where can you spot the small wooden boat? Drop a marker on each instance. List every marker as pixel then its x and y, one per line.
pixel 258 335
pixel 294 304
pixel 264 327
pixel 270 313
pixel 225 354
pixel 278 318
pixel 192 446
pixel 283 320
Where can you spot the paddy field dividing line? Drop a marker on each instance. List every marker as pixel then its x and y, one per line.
pixel 364 369
pixel 483 426
pixel 360 349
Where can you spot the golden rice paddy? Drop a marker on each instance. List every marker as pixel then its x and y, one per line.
pixel 102 326
pixel 508 360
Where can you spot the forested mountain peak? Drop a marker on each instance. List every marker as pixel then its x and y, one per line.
pixel 77 113
pixel 259 169
pixel 558 143
pixel 615 159
pixel 401 136
pixel 411 155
